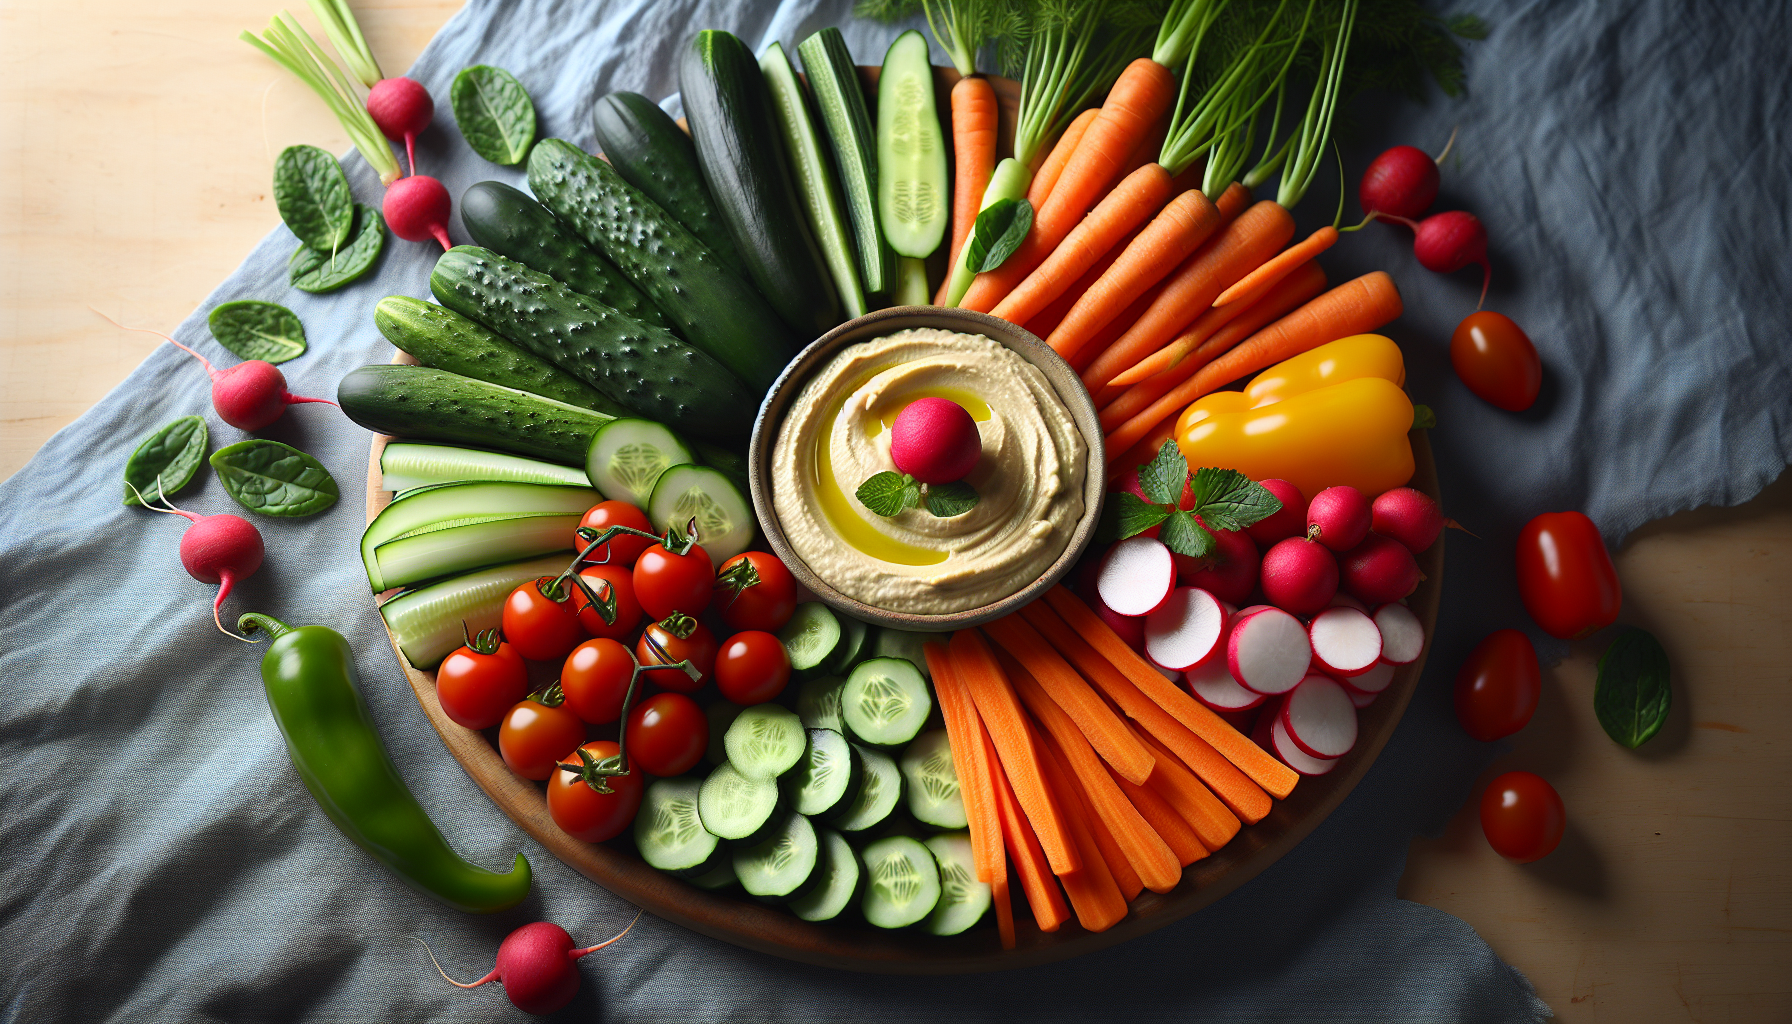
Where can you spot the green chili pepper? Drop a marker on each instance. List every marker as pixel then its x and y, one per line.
pixel 309 673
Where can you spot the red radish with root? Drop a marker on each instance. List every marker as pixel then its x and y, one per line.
pixel 935 441
pixel 1299 575
pixel 249 395
pixel 1320 718
pixel 1380 570
pixel 1446 242
pixel 1402 181
pixel 1268 651
pixel 1345 641
pixel 537 965
pixel 1186 630
pixel 1136 576
pixel 1213 685
pixel 1338 517
pixel 416 208
pixel 402 108
pixel 1408 516
pixel 221 550
pixel 1402 634
pixel 1230 573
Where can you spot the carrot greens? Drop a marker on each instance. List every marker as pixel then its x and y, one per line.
pixel 294 49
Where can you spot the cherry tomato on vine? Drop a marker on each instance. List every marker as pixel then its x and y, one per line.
pixel 1498 686
pixel 667 582
pixel 623 549
pixel 667 734
pixel 541 627
pixel 752 667
pixel 606 580
pixel 755 591
pixel 1496 360
pixel 480 681
pixel 595 679
pixel 583 812
pixel 1565 576
pixel 1522 817
pixel 682 637
pixel 536 735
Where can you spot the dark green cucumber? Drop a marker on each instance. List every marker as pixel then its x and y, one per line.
pixel 726 461
pixel 445 340
pixel 435 405
pixel 741 150
pixel 653 154
pixel 712 307
pixel 648 369
pixel 834 80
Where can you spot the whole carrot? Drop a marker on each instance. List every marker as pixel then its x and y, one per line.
pixel 1046 177
pixel 974 159
pixel 1258 281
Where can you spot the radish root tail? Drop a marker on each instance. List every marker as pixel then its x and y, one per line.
pixel 1440 157
pixel 575 954
pixel 145 330
pixel 225 580
pixel 457 984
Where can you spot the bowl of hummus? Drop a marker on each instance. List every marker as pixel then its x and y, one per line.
pixel 825 428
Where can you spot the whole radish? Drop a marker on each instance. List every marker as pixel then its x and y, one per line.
pixel 1291 521
pixel 1408 516
pixel 537 965
pixel 1338 517
pixel 249 395
pixel 221 550
pixel 1230 573
pixel 1299 575
pixel 402 108
pixel 935 441
pixel 1402 181
pixel 1380 570
pixel 1446 242
pixel 416 209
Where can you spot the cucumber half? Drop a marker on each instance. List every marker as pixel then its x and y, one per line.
pixel 725 523
pixel 912 201
pixel 426 622
pixel 902 882
pixel 838 873
pixel 963 900
pixel 466 504
pixel 886 701
pixel 627 457
pixel 407 464
pixel 932 781
pixel 670 834
pixel 765 741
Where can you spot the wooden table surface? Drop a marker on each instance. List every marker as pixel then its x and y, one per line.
pixel 138 147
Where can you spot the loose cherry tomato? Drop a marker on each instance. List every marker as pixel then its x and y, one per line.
pixel 667 582
pixel 1522 816
pixel 681 637
pixel 540 627
pixel 537 734
pixel 752 668
pixel 1496 360
pixel 667 734
pixel 1566 577
pixel 755 591
pixel 595 679
pixel 624 548
pixel 583 812
pixel 607 580
pixel 1498 686
pixel 480 681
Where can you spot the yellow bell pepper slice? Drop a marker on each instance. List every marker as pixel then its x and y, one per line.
pixel 1360 355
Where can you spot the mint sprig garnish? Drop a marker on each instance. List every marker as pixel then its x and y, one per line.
pixel 890 494
pixel 1225 499
pixel 953 499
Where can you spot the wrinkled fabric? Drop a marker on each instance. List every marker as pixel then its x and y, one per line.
pixel 163 861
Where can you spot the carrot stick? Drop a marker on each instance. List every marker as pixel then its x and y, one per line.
pixel 1274 776
pixel 1287 296
pixel 1036 879
pixel 1258 281
pixel 1000 710
pixel 1146 853
pixel 1245 244
pixel 962 733
pixel 1164 821
pixel 1307 276
pixel 1126 877
pixel 974 158
pixel 1354 307
pixel 1096 722
pixel 1142 94
pixel 1004 904
pixel 1094 894
pixel 1059 158
pixel 1195 802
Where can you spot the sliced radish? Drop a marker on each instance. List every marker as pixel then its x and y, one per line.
pixel 1345 641
pixel 1343 600
pixel 1136 576
pixel 1129 628
pixel 1267 716
pixel 1242 721
pixel 1402 635
pixel 1359 698
pixel 1283 746
pixel 1185 630
pixel 1320 718
pixel 1174 675
pixel 1373 681
pixel 1213 685
pixel 1268 651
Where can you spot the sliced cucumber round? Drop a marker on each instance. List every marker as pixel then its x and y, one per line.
pixel 886 701
pixel 725 523
pixel 856 638
pixel 902 882
pixel 811 635
pixel 828 772
pixel 963 900
pixel 878 792
pixel 932 781
pixel 721 715
pixel 719 877
pixel 627 457
pixel 818 703
pixel 736 807
pixel 765 741
pixel 669 832
pixel 777 867
pixel 905 644
pixel 840 874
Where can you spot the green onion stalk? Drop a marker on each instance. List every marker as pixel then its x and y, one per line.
pixel 294 49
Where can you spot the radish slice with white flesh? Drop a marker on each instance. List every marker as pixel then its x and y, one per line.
pixel 1373 681
pixel 1361 699
pixel 1268 651
pixel 1213 685
pixel 1136 576
pixel 1402 634
pixel 1345 641
pixel 1291 755
pixel 1320 718
pixel 1174 675
pixel 1185 630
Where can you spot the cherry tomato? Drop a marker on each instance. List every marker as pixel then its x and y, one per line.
pixel 534 736
pixel 682 637
pixel 1566 577
pixel 583 812
pixel 1496 360
pixel 1498 686
pixel 1522 816
pixel 622 549
pixel 595 679
pixel 479 682
pixel 752 668
pixel 667 734
pixel 667 582
pixel 766 596
pixel 607 580
pixel 539 627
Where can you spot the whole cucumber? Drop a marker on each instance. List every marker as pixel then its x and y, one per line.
pixel 435 405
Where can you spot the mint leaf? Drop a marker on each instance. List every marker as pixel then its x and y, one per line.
pixel 1163 478
pixel 888 494
pixel 999 230
pixel 1423 418
pixel 1127 515
pixel 1632 697
pixel 953 499
pixel 1226 499
pixel 1184 536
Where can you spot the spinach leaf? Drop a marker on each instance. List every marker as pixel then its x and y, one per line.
pixel 312 270
pixel 258 330
pixel 274 479
pixel 999 230
pixel 312 195
pixel 166 460
pixel 1632 697
pixel 494 113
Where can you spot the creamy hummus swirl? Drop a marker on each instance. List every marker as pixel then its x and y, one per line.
pixel 837 435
